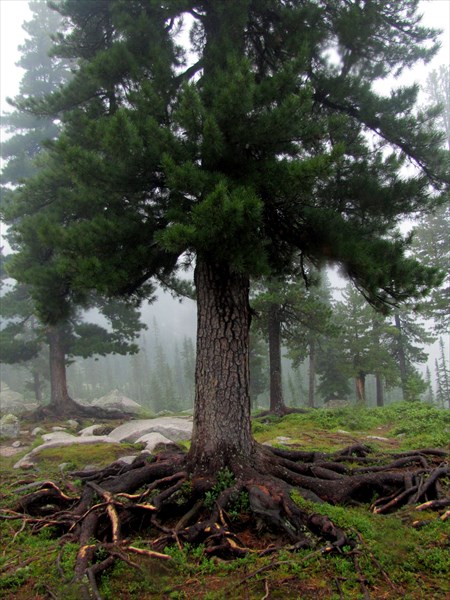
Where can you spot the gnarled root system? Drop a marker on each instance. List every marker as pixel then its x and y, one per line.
pixel 231 514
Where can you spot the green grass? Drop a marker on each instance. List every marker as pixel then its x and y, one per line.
pixel 414 425
pixel 397 559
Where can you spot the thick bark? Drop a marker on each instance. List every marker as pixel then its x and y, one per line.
pixel 276 389
pixel 222 434
pixel 380 395
pixel 312 373
pixel 60 401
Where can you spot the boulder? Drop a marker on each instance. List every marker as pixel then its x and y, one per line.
pixel 173 428
pixel 96 430
pixel 9 426
pixel 116 401
pixel 58 439
pixel 10 402
pixel 37 431
pixel 151 440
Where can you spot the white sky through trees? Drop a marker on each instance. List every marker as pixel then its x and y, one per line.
pixel 436 13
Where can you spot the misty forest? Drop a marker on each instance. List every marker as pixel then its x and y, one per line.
pixel 222 212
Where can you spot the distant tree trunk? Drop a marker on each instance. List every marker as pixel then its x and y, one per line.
pixel 276 389
pixel 360 384
pixel 312 373
pixel 401 355
pixel 37 387
pixel 222 433
pixel 60 401
pixel 380 395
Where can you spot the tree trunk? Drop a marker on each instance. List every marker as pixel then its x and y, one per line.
pixel 312 373
pixel 37 387
pixel 276 388
pixel 401 355
pixel 360 384
pixel 222 435
pixel 60 401
pixel 380 395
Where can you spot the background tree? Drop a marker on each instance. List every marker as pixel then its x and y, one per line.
pixel 311 324
pixel 43 74
pixel 442 377
pixel 407 348
pixel 431 244
pixel 24 340
pixel 437 88
pixel 363 342
pixel 294 313
pixel 334 382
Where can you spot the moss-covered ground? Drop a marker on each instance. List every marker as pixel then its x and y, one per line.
pixel 401 555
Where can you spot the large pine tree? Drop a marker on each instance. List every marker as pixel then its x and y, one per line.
pixel 273 142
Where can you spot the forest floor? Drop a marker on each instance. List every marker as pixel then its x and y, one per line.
pixel 403 554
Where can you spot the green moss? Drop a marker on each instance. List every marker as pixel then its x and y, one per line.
pixel 80 455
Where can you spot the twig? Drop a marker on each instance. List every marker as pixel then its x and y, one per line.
pixel 50 593
pixel 266 585
pixel 376 562
pixel 339 588
pixel 361 578
pixel 149 553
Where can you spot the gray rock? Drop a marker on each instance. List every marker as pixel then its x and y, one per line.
pixel 16 444
pixel 173 428
pixel 115 400
pixel 10 401
pixel 9 426
pixel 57 428
pixel 72 424
pixel 151 440
pixel 377 438
pixel 37 431
pixel 283 440
pixel 277 441
pixel 14 402
pixel 96 430
pixel 59 435
pixel 58 439
pixel 89 430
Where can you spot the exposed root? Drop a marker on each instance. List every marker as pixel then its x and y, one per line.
pixel 255 512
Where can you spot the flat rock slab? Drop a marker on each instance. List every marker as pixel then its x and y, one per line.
pixel 173 428
pixel 58 440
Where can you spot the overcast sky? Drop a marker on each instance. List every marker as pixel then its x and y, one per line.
pixel 14 12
